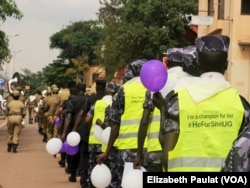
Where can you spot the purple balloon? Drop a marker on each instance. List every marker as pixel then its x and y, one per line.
pixel 153 75
pixel 64 147
pixel 72 150
pixel 57 121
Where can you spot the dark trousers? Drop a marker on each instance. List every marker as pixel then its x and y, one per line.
pixel 83 162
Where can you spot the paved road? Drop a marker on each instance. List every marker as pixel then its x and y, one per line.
pixel 32 166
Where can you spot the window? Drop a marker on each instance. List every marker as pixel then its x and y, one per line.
pixel 245 7
pixel 221 9
pixel 210 7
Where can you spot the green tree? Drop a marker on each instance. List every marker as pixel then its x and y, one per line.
pixel 142 29
pixel 77 43
pixel 8 8
pixel 54 73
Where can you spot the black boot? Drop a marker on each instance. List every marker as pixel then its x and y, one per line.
pixel 72 177
pixel 14 147
pixel 9 147
pixel 31 121
pixel 45 138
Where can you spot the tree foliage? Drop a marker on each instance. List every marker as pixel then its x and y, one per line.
pixel 142 29
pixel 8 8
pixel 78 43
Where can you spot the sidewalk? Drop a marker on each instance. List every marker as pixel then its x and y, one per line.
pixel 32 166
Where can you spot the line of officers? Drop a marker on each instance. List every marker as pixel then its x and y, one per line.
pixel 41 107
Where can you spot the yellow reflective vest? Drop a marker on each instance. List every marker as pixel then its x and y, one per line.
pixel 153 132
pixel 207 131
pixel 130 119
pixel 99 112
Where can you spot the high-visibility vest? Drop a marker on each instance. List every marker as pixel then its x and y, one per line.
pixel 153 132
pixel 130 119
pixel 99 112
pixel 207 131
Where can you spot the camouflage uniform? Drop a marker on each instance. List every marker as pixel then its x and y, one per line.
pixel 238 159
pixel 172 111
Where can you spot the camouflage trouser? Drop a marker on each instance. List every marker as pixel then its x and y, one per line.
pixel 94 150
pixel 115 164
pixel 152 161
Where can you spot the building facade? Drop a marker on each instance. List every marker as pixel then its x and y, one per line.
pixel 231 18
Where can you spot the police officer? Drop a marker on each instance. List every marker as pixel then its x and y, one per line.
pixel 181 63
pixel 50 104
pixel 76 100
pixel 15 113
pixel 124 117
pixel 97 111
pixel 83 126
pixel 205 116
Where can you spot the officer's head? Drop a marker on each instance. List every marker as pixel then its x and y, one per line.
pixel 190 64
pixel 174 57
pixel 127 75
pixel 136 66
pixel 212 53
pixel 15 93
pixel 100 85
pixel 81 87
pixel 55 90
pixel 111 88
pixel 48 91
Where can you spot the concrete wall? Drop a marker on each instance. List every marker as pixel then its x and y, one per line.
pixel 237 27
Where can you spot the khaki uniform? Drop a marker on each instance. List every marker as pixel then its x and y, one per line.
pixel 50 104
pixel 63 95
pixel 10 98
pixel 15 113
pixel 31 104
pixel 44 116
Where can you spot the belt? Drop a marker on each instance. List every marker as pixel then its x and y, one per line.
pixel 14 115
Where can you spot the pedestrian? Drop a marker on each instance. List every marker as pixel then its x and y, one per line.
pixel 97 112
pixel 15 113
pixel 150 121
pixel 51 104
pixel 31 103
pixel 45 114
pixel 200 121
pixel 76 100
pixel 124 118
pixel 83 127
pixel 62 114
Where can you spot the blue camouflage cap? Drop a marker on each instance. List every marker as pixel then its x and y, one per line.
pixel 128 74
pixel 136 66
pixel 212 43
pixel 113 87
pixel 190 64
pixel 175 54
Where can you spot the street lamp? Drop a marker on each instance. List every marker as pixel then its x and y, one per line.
pixel 14 59
pixel 9 37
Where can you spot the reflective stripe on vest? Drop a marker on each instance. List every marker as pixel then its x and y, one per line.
pixel 153 132
pixel 99 112
pixel 130 120
pixel 207 131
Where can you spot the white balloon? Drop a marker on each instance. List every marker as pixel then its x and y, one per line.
pixel 132 178
pixel 73 138
pixel 106 135
pixel 98 132
pixel 53 146
pixel 100 176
